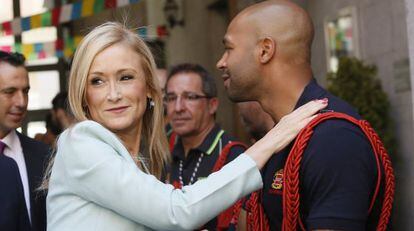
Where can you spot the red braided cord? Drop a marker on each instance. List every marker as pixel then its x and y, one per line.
pixel 226 217
pixel 221 161
pixel 256 218
pixel 236 211
pixel 388 172
pixel 291 199
pixel 291 181
pixel 173 137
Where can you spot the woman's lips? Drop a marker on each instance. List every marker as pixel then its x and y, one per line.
pixel 118 109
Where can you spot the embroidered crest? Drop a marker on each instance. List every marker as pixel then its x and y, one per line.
pixel 278 180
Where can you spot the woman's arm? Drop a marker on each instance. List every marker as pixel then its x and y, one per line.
pixel 95 170
pixel 92 168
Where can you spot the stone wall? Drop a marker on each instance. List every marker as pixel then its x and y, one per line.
pixel 382 38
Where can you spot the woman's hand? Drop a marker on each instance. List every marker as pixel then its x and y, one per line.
pixel 284 132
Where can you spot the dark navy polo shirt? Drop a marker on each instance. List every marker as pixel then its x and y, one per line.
pixel 207 162
pixel 337 176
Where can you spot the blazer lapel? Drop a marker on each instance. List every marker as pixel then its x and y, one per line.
pixel 34 172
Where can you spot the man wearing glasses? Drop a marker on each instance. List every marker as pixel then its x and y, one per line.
pixel 197 141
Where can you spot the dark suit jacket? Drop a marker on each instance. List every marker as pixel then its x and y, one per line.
pixel 36 155
pixel 13 212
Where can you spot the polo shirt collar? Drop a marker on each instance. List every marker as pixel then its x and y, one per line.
pixel 312 91
pixel 178 151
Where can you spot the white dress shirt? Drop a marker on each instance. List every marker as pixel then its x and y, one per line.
pixel 14 150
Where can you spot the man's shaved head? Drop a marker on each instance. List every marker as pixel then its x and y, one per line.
pixel 267 55
pixel 285 22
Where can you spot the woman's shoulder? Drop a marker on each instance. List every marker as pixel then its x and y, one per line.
pixel 86 125
pixel 86 138
pixel 88 130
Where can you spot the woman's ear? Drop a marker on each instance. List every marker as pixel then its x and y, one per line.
pixel 149 93
pixel 267 49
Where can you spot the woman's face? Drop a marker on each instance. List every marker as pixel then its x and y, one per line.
pixel 116 91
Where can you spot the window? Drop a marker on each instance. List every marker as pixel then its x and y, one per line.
pixel 36 127
pixel 6 14
pixel 40 35
pixel 6 42
pixel 44 85
pixel 6 10
pixel 31 7
pixel 341 39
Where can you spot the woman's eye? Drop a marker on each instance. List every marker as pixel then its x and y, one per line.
pixel 96 81
pixel 127 77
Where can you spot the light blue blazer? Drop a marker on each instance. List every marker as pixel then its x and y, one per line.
pixel 95 185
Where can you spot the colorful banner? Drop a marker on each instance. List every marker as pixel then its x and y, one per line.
pixel 87 9
pixel 66 47
pixel 152 33
pixel 17 25
pixel 62 14
pixel 60 48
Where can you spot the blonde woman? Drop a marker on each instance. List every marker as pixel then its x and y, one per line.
pixel 101 181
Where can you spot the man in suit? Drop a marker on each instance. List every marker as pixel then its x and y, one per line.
pixel 13 212
pixel 29 155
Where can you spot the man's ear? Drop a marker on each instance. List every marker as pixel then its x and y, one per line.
pixel 267 49
pixel 213 105
pixel 60 113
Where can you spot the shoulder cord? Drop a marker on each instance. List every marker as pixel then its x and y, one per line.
pixel 291 197
pixel 225 218
pixel 172 140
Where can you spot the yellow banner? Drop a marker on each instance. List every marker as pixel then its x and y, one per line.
pixel 35 21
pixel 27 49
pixel 87 8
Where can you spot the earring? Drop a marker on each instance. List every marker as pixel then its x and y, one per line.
pixel 150 103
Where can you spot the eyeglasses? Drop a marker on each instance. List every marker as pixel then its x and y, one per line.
pixel 170 98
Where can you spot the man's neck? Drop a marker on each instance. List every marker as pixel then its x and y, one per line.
pixel 190 142
pixel 279 98
pixel 4 133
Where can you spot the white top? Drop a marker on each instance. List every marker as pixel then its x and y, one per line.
pixel 14 150
pixel 95 185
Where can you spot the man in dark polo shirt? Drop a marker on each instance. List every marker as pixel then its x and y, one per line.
pixel 267 59
pixel 197 141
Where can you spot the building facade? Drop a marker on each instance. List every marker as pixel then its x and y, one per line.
pixel 379 32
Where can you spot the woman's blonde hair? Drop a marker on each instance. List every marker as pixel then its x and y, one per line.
pixel 97 40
